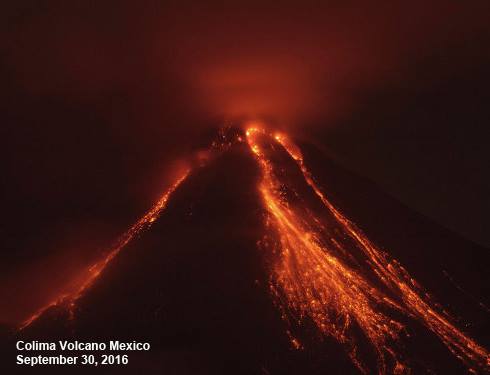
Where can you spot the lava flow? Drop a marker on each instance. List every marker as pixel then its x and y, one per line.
pixel 324 270
pixel 327 271
pixel 92 273
pixel 68 299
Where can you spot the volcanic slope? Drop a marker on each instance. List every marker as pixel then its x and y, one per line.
pixel 197 284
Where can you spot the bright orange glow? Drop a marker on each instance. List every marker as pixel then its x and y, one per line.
pixel 224 140
pixel 317 273
pixel 324 269
pixel 93 272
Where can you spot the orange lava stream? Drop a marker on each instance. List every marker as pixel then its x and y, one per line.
pixel 312 277
pixel 94 271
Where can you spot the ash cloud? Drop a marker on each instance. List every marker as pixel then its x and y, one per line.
pixel 293 62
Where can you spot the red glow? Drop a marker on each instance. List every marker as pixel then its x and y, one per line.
pixel 314 276
pixel 88 277
pixel 324 269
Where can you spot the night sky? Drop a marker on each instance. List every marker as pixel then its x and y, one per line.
pixel 98 100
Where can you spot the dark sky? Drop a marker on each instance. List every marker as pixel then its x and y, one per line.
pixel 98 99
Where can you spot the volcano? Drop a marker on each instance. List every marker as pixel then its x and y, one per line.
pixel 265 257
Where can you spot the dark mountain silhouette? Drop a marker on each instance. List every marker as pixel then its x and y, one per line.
pixel 196 285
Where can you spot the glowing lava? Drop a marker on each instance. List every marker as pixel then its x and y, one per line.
pixel 225 139
pixel 324 269
pixel 327 271
pixel 92 273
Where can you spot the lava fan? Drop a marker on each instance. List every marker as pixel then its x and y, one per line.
pixel 249 258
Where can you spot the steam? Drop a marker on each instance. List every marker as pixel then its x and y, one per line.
pixel 289 63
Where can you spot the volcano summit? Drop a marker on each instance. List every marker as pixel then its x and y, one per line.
pixel 252 266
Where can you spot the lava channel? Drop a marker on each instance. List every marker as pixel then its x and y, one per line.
pixel 93 272
pixel 317 274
